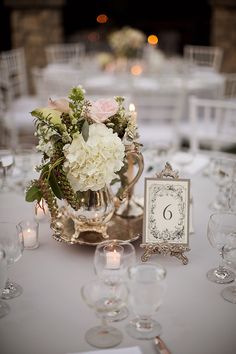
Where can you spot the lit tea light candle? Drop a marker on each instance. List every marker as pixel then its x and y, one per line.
pixel 113 256
pixel 28 230
pixel 30 238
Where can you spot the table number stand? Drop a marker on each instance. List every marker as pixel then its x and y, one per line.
pixel 165 248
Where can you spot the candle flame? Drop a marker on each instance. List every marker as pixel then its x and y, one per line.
pixel 131 107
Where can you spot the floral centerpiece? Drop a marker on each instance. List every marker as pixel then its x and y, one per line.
pixel 83 144
pixel 127 42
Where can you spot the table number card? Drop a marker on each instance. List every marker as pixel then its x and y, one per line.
pixel 166 215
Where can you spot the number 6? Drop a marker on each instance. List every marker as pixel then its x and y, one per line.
pixel 165 211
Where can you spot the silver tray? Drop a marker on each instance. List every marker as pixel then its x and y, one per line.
pixel 118 228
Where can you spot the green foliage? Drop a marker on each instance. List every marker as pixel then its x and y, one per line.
pixel 55 186
pixel 33 193
pixel 85 130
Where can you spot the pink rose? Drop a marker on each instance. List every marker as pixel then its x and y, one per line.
pixel 102 109
pixel 61 105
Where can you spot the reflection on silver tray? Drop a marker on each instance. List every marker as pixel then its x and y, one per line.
pixel 118 228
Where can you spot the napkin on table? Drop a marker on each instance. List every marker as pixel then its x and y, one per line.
pixel 130 350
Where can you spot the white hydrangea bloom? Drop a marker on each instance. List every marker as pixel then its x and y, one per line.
pixel 92 164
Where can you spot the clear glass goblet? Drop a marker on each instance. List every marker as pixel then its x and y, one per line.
pixel 99 297
pixel 111 261
pixel 24 164
pixel 147 284
pixel 4 308
pixel 12 242
pixel 229 256
pixel 232 197
pixel 6 165
pixel 219 226
pixel 222 174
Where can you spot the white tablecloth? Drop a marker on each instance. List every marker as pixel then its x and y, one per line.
pixel 50 316
pixel 59 78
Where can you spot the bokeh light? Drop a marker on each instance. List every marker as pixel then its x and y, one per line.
pixel 102 18
pixel 136 69
pixel 152 39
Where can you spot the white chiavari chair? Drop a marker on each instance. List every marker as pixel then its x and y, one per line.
pixel 19 103
pixel 212 124
pixel 65 53
pixel 204 56
pixel 159 114
pixel 230 86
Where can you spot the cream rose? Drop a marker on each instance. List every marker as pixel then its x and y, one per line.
pixel 102 109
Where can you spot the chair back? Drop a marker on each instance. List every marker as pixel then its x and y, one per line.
pixel 230 85
pixel 4 96
pixel 65 53
pixel 213 123
pixel 13 61
pixel 205 56
pixel 159 114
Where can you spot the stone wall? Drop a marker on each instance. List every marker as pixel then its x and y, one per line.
pixel 223 31
pixel 34 25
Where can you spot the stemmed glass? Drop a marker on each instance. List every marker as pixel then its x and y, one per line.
pixel 4 308
pixel 6 164
pixel 111 261
pixel 98 296
pixel 12 242
pixel 219 226
pixel 229 256
pixel 222 172
pixel 24 163
pixel 232 197
pixel 147 284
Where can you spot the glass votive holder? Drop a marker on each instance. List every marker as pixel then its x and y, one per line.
pixel 29 229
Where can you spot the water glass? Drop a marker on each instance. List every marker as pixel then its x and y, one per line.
pixel 4 308
pixel 229 255
pixel 99 297
pixel 147 284
pixel 6 167
pixel 220 225
pixel 111 261
pixel 222 174
pixel 12 243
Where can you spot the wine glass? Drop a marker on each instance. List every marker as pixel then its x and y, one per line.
pixel 4 308
pixel 147 283
pixel 219 226
pixel 12 242
pixel 99 297
pixel 24 163
pixel 232 197
pixel 6 164
pixel 111 261
pixel 229 256
pixel 222 173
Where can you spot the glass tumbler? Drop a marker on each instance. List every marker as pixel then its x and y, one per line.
pixel 147 284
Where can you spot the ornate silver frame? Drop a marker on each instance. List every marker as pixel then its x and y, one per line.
pixel 168 242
